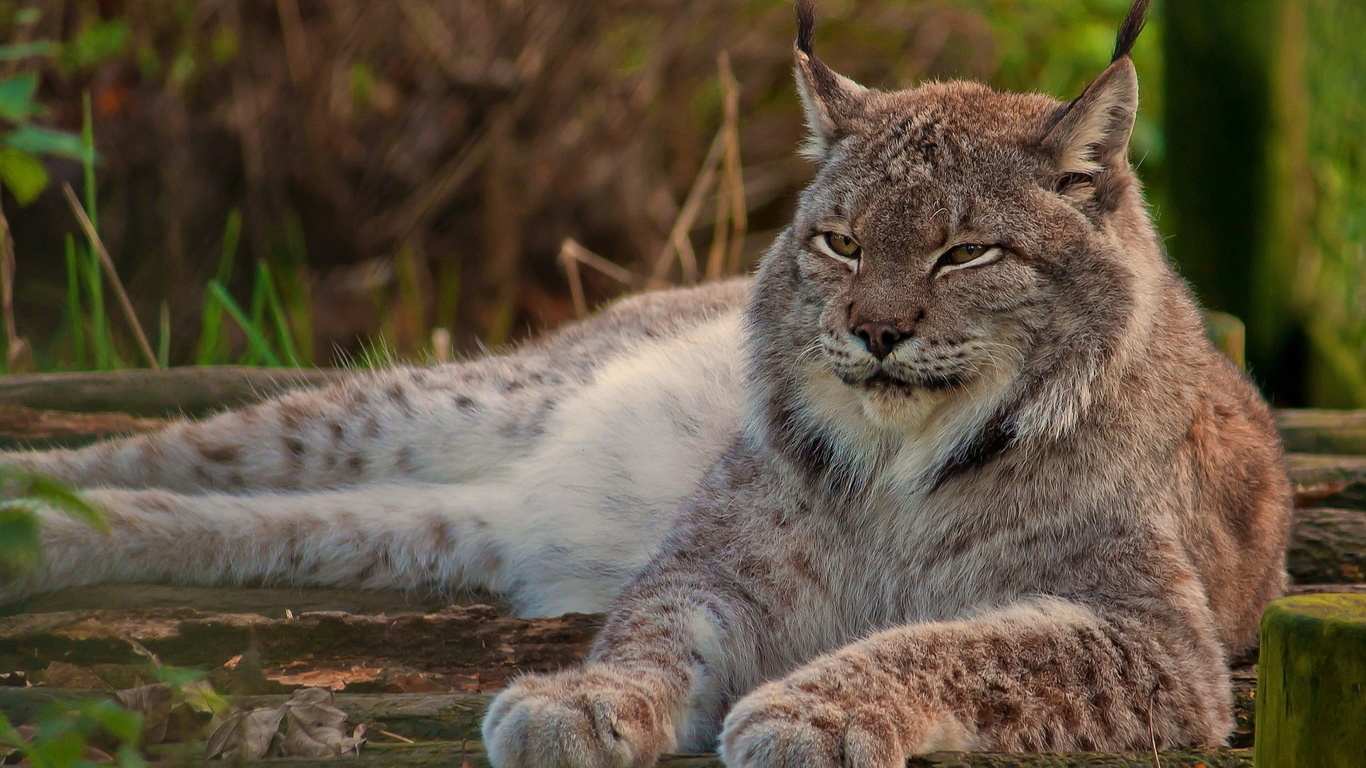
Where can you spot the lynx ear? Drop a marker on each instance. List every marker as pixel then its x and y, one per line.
pixel 831 101
pixel 1092 134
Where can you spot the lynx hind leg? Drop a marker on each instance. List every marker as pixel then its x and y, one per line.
pixel 446 424
pixel 406 536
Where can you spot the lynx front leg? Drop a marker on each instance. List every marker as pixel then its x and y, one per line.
pixel 654 683
pixel 1043 676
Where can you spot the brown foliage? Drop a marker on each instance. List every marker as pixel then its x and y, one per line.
pixel 433 156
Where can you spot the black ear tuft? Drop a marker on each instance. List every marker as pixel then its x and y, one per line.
pixel 1130 29
pixel 806 25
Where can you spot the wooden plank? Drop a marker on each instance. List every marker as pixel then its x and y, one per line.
pixel 1328 546
pixel 1323 431
pixel 1323 470
pixel 262 601
pixel 446 728
pixel 171 392
pixel 456 640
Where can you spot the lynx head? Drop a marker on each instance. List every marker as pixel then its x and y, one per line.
pixel 957 243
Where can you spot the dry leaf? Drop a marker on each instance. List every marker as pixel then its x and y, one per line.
pixel 332 679
pixel 315 728
pixel 153 702
pixel 246 735
pixel 414 682
pixel 1312 495
pixel 59 674
pixel 233 662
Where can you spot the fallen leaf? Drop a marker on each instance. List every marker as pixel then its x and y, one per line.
pixel 1310 495
pixel 59 674
pixel 246 735
pixel 413 682
pixel 153 702
pixel 332 679
pixel 233 662
pixel 315 728
pixel 312 727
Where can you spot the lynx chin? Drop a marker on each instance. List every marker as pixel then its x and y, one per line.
pixel 956 468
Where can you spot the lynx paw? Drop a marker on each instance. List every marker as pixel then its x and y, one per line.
pixel 781 726
pixel 595 717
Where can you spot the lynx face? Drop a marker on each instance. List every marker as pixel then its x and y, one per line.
pixel 938 241
pixel 957 243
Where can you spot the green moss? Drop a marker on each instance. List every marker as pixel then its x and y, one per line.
pixel 1311 693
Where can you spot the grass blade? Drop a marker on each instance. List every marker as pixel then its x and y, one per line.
pixel 213 343
pixel 88 160
pixel 164 337
pixel 277 313
pixel 74 320
pixel 256 343
pixel 99 327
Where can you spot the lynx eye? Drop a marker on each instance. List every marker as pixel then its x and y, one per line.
pixel 962 254
pixel 843 245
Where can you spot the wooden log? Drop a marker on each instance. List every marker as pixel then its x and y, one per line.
pixel 446 727
pixel 1311 693
pixel 1328 546
pixel 172 392
pixel 1323 431
pixel 1347 474
pixel 1229 335
pixel 472 755
pixel 456 640
pixel 272 602
pixel 455 716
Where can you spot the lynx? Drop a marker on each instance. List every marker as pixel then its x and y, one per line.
pixel 956 469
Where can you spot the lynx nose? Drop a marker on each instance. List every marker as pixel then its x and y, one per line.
pixel 880 338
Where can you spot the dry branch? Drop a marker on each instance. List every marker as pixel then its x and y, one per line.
pixel 112 274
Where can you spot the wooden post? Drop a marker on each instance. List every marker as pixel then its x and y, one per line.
pixel 1311 686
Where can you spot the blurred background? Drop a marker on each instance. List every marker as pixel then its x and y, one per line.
pixel 322 182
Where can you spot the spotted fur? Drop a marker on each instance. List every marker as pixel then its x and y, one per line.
pixel 1037 514
pixel 1040 520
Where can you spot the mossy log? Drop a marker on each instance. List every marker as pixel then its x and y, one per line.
pixel 1311 696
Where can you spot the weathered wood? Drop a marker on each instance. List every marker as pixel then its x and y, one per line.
pixel 1311 697
pixel 170 392
pixel 456 716
pixel 1323 431
pixel 456 640
pixel 264 601
pixel 447 726
pixel 471 754
pixel 1229 335
pixel 32 429
pixel 1328 546
pixel 1348 472
pixel 30 422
